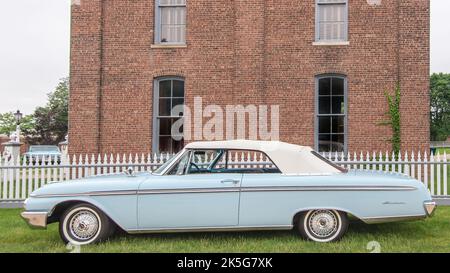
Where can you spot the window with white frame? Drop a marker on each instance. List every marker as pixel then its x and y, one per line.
pixel 331 113
pixel 170 22
pixel 331 20
pixel 168 93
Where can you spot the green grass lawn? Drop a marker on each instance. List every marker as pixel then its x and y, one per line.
pixel 431 235
pixel 442 150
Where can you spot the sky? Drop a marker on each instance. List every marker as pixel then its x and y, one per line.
pixel 35 39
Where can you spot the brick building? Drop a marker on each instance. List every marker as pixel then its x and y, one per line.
pixel 326 63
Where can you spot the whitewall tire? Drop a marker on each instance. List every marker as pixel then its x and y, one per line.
pixel 322 225
pixel 84 224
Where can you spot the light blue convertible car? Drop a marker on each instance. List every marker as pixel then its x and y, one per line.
pixel 204 188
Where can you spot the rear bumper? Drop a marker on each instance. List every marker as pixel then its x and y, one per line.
pixel 35 219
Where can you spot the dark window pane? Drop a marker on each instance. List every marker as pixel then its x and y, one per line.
pixel 176 102
pixel 338 125
pixel 337 143
pixel 331 101
pixel 181 130
pixel 324 105
pixel 164 89
pixel 177 146
pixel 324 125
pixel 338 86
pixel 324 86
pixel 324 143
pixel 338 106
pixel 178 89
pixel 165 144
pixel 178 127
pixel 164 107
pixel 165 126
pixel 171 94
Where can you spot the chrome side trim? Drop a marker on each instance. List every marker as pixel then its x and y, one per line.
pixel 328 188
pixel 194 190
pixel 35 219
pixel 393 203
pixel 387 219
pixel 209 229
pixel 96 193
pixel 235 189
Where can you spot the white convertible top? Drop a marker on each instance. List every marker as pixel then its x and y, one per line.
pixel 289 158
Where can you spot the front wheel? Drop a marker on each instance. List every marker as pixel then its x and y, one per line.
pixel 84 224
pixel 322 225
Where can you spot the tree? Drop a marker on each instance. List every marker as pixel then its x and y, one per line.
pixel 50 123
pixel 440 106
pixel 8 123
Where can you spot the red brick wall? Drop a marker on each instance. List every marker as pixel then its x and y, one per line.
pixel 3 139
pixel 246 52
pixel 85 80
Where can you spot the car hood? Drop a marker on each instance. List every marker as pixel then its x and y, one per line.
pixel 101 183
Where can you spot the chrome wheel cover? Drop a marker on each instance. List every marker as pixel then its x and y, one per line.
pixel 323 223
pixel 84 225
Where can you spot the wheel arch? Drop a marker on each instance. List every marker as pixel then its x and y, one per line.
pixel 58 210
pixel 299 212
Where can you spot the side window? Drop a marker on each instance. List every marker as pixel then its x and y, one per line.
pixel 242 161
pixel 204 161
pixel 180 167
pixel 224 161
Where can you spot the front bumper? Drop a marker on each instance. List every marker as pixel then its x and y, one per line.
pixel 35 219
pixel 430 207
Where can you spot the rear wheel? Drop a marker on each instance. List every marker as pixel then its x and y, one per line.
pixel 322 225
pixel 84 224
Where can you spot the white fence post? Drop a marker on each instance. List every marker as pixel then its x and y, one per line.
pixel 445 166
pixel 425 169
pixel 438 174
pixel 432 174
pixel 419 167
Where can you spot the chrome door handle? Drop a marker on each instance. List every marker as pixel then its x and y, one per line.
pixel 230 181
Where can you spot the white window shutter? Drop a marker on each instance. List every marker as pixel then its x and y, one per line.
pixel 332 20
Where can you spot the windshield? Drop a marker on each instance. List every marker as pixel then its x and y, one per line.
pixel 341 169
pixel 168 162
pixel 44 149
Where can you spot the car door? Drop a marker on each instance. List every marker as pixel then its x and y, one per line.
pixel 183 199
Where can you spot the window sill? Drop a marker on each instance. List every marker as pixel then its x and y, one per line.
pixel 343 43
pixel 168 46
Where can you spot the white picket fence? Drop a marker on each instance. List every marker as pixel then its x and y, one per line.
pixel 21 177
